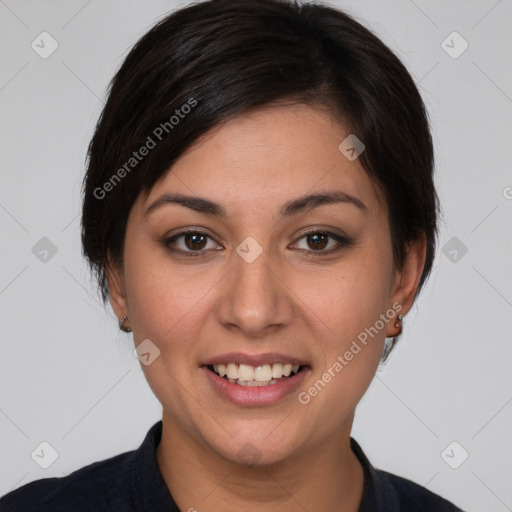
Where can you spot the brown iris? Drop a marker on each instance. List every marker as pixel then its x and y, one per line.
pixel 320 240
pixel 197 240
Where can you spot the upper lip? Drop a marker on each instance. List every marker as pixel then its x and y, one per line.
pixel 254 360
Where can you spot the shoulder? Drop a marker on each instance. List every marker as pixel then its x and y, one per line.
pixel 386 492
pixel 408 495
pixel 102 485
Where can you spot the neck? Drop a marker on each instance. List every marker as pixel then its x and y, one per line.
pixel 326 477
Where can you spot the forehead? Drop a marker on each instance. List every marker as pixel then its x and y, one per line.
pixel 263 158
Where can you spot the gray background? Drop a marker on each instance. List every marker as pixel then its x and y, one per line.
pixel 68 375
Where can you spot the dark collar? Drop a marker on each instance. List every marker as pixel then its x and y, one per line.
pixel 149 490
pixel 371 480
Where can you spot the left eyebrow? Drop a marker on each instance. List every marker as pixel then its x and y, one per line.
pixel 292 207
pixel 311 201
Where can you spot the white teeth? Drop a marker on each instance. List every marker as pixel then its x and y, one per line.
pixel 232 371
pixel 253 383
pixel 277 370
pixel 263 375
pixel 245 372
pixel 222 369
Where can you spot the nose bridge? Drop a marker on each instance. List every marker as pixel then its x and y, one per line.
pixel 254 298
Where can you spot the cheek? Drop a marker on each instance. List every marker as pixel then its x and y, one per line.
pixel 349 352
pixel 349 296
pixel 164 299
pixel 349 301
pixel 164 308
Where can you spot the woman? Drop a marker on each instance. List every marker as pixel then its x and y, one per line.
pixel 259 209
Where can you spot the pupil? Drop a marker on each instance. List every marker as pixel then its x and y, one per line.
pixel 194 237
pixel 316 237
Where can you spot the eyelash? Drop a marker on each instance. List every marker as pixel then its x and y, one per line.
pixel 342 241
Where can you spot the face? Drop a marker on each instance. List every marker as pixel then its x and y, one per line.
pixel 265 280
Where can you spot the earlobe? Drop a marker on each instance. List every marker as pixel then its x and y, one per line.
pixel 408 278
pixel 116 287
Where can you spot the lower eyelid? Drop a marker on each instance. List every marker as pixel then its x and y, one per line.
pixel 341 242
pixel 172 240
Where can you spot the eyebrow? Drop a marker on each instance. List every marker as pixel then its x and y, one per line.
pixel 292 207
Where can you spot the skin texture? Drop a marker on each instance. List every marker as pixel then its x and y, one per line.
pixel 290 300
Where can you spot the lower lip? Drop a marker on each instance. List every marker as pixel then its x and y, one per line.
pixel 255 395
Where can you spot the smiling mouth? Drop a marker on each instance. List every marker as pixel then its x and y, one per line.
pixel 262 375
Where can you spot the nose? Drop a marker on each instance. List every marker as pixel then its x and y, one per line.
pixel 255 299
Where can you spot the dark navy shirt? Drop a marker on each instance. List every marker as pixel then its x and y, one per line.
pixel 132 481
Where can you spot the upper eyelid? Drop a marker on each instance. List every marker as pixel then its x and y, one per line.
pixel 330 234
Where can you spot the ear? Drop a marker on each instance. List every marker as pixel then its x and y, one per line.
pixel 407 279
pixel 117 290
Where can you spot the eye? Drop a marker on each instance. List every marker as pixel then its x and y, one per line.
pixel 319 241
pixel 193 243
